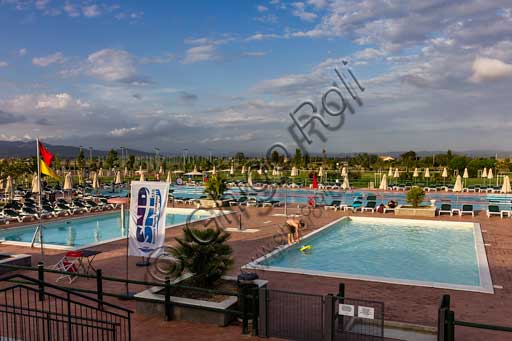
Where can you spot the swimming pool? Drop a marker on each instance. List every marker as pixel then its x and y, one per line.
pixel 438 254
pixel 301 196
pixel 85 231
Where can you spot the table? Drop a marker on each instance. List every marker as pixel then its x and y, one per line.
pixel 87 257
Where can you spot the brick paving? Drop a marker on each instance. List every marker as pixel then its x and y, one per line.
pixel 403 303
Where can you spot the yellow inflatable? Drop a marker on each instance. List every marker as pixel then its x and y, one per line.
pixel 305 248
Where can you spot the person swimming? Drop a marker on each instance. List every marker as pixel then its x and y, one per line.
pixel 294 224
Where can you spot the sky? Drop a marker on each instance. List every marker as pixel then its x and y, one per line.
pixel 224 76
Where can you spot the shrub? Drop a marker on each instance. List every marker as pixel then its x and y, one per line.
pixel 215 187
pixel 415 196
pixel 204 253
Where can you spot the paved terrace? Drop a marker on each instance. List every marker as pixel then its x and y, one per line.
pixel 403 303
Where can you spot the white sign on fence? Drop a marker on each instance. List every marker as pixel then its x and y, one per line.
pixel 366 312
pixel 147 217
pixel 346 309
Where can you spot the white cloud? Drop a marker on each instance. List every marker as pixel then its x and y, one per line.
pixel 318 3
pixel 369 53
pixel 57 57
pixel 164 59
pixel 41 4
pixel 71 10
pixel 3 64
pixel 261 36
pixel 22 52
pixel 35 102
pixel 91 11
pixel 300 11
pixel 488 69
pixel 200 54
pixel 111 65
pixel 262 8
pixel 123 131
pixel 59 101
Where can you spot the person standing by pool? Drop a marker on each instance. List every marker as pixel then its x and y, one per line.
pixel 294 224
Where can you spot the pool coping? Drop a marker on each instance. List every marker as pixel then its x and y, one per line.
pixel 481 255
pixel 217 213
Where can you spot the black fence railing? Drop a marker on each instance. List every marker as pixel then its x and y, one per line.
pixel 299 316
pixel 26 313
pixel 246 308
pixel 447 322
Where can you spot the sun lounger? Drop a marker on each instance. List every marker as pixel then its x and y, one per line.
pixel 335 205
pixel 467 209
pixel 370 206
pixel 494 210
pixel 446 208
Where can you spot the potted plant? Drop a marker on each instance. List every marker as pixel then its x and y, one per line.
pixel 214 189
pixel 414 198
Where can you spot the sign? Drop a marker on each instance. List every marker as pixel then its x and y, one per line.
pixel 366 312
pixel 179 181
pixel 147 217
pixel 346 309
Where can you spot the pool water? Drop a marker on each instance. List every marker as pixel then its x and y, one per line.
pixel 77 232
pixel 408 250
pixel 301 196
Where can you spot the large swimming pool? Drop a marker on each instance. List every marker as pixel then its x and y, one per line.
pixel 83 231
pixel 301 196
pixel 405 251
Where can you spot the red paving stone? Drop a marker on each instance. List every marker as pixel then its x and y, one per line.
pixel 403 303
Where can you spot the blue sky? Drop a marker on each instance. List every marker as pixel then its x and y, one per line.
pixel 224 75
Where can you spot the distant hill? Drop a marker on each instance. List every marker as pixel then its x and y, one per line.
pixel 23 149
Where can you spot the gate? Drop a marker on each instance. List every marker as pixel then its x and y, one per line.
pixel 27 313
pixel 291 315
pixel 299 316
pixel 357 320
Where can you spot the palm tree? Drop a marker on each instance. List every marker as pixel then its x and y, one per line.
pixel 204 253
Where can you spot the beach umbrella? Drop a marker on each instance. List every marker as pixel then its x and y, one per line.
pixel 384 183
pixel 249 177
pixel 506 185
pixel 169 177
pixel 95 182
pixel 142 177
pixel 1 184
pixel 214 170
pixel 315 182
pixel 68 182
pixel 118 178
pixel 444 175
pixel 294 171
pixel 140 170
pixel 100 173
pixel 427 175
pixel 195 172
pixel 346 184
pixel 260 171
pixel 415 174
pixel 397 174
pixel 9 188
pixel 344 171
pixel 321 172
pixel 35 183
pixel 458 184
pixel 243 170
pixel 232 170
pixel 484 173
pixel 390 172
pixel 178 172
pixel 465 175
pixel 489 174
pixel 125 172
pixel 161 170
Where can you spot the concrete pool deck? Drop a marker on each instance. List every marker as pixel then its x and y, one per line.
pixel 403 303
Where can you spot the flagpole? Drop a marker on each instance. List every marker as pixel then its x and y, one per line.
pixel 40 201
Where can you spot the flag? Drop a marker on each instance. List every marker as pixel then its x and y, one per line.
pixel 45 155
pixel 47 170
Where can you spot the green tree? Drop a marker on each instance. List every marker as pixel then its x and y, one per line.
pixel 415 196
pixel 204 253
pixel 80 159
pixel 130 164
pixel 112 159
pixel 215 187
pixel 297 158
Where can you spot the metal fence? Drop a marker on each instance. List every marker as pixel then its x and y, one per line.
pixel 447 322
pixel 26 313
pixel 291 315
pixel 299 316
pixel 357 320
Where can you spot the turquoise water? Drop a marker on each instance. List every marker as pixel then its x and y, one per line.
pixel 77 232
pixel 420 251
pixel 301 196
